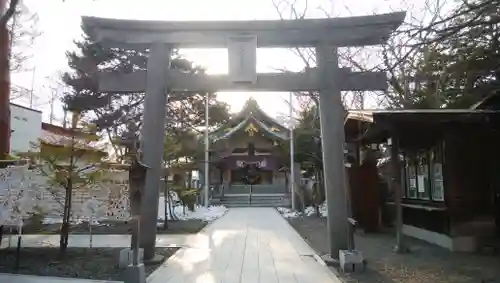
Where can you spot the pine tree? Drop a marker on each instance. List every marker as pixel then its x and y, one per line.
pixel 112 111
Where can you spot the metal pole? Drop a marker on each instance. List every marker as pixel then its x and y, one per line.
pixel 292 159
pixel 32 87
pixel 207 148
pixel 332 134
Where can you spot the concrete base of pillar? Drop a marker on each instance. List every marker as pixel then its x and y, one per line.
pixel 127 256
pixel 135 274
pixel 351 261
pixel 155 259
pixel 329 261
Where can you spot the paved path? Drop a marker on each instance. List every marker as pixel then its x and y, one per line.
pixel 247 245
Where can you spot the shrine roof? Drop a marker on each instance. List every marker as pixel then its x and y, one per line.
pixel 254 117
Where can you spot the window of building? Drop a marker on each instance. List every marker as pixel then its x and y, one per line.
pixel 411 177
pixel 423 175
pixel 437 174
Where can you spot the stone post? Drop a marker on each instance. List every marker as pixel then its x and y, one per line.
pixel 152 139
pixel 332 134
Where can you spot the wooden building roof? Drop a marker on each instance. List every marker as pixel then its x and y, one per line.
pixel 251 119
pixel 424 126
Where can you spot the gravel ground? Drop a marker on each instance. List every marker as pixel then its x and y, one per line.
pixel 97 264
pixel 424 264
pixel 119 228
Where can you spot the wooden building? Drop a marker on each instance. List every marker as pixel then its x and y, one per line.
pixel 449 162
pixel 362 174
pixel 250 137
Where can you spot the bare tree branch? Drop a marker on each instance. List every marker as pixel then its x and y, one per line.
pixel 9 13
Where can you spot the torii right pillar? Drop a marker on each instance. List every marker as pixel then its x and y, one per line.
pixel 332 142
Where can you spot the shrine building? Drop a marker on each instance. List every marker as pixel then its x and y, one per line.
pixel 251 137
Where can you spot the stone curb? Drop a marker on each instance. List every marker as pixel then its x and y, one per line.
pixel 332 269
pixel 52 278
pixel 334 274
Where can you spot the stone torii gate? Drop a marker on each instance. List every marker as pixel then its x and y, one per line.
pixel 242 38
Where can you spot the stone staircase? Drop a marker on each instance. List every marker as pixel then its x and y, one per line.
pixel 256 200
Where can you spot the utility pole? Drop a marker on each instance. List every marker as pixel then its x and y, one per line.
pixel 4 86
pixel 207 154
pixel 53 95
pixel 292 154
pixel 32 87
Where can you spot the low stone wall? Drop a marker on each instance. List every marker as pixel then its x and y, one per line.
pixel 24 192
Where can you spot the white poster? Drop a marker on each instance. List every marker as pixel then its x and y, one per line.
pixel 421 183
pixel 413 183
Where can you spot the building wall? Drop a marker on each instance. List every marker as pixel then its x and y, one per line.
pixel 26 125
pixel 241 140
pixel 469 191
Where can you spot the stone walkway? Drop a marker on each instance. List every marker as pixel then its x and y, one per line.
pixel 247 245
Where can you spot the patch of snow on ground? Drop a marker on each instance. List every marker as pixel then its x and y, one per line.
pixel 287 212
pixel 206 214
pixel 309 211
pixel 200 212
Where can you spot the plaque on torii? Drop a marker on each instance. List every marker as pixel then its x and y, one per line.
pixel 242 58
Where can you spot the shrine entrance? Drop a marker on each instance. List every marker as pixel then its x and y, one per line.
pixel 242 38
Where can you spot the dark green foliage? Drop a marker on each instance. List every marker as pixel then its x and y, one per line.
pixel 112 112
pixel 308 141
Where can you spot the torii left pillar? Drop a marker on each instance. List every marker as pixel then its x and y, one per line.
pixel 152 142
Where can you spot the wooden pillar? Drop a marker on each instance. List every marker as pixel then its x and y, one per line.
pixel 152 142
pixel 397 189
pixel 4 88
pixel 333 136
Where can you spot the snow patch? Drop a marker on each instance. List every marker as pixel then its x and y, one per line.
pixel 202 213
pixel 287 212
pixel 309 211
pixel 182 213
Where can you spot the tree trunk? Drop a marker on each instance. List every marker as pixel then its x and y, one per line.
pixel 64 235
pixel 190 179
pixel 170 206
pixel 136 187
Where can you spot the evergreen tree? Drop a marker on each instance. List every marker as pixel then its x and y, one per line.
pixel 111 112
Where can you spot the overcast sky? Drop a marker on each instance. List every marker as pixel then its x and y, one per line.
pixel 60 25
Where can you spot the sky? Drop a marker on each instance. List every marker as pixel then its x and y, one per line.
pixel 59 23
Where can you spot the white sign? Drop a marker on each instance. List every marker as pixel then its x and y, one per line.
pixel 421 183
pixel 242 52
